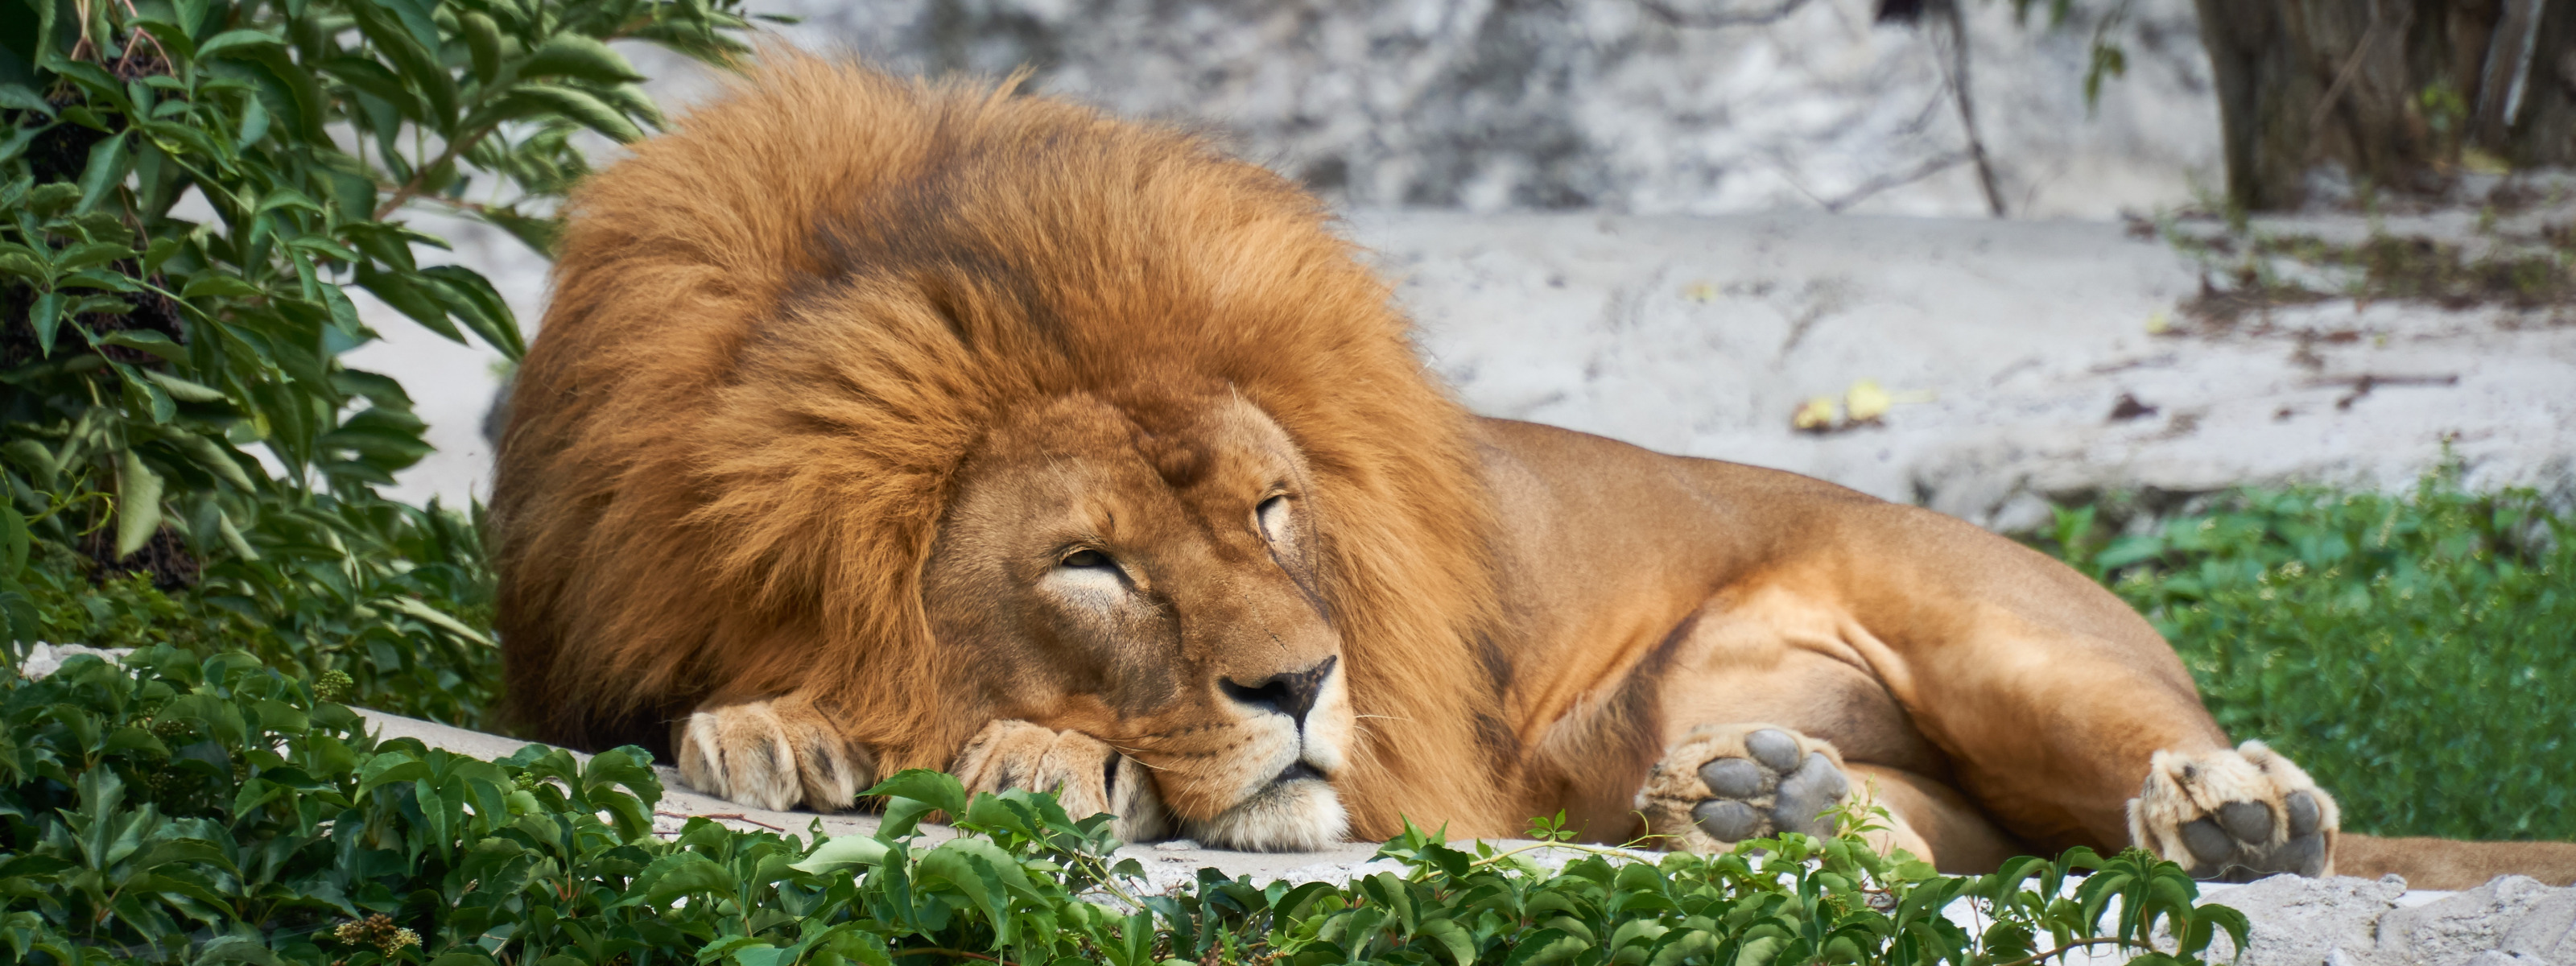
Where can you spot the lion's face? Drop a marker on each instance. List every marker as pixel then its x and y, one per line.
pixel 1146 574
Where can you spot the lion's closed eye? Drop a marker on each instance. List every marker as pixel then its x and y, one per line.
pixel 1090 571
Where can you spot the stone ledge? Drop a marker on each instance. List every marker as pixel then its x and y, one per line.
pixel 2339 921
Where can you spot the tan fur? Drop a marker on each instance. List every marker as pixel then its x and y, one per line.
pixel 984 432
pixel 778 331
pixel 1074 766
pixel 774 754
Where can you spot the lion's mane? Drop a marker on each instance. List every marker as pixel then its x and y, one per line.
pixel 777 329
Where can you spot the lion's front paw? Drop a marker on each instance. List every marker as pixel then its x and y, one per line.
pixel 2235 815
pixel 1723 784
pixel 772 754
pixel 1087 776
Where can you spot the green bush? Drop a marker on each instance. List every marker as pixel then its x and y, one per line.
pixel 2416 653
pixel 202 811
pixel 142 349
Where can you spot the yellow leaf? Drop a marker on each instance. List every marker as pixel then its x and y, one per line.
pixel 2158 323
pixel 1818 413
pixel 1866 401
pixel 1700 292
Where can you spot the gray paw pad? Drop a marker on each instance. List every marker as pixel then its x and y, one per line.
pixel 1733 777
pixel 1771 792
pixel 1773 748
pixel 2236 844
pixel 1727 820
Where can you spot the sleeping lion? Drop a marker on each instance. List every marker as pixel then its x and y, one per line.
pixel 880 424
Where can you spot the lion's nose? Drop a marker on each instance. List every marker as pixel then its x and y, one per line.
pixel 1292 694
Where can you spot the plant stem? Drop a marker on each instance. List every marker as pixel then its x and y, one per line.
pixel 411 189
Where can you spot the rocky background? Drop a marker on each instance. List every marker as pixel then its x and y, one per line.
pixel 1632 106
pixel 1681 222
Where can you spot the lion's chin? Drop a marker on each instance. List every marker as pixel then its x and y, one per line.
pixel 1298 815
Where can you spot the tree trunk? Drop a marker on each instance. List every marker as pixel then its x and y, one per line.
pixel 2544 123
pixel 2390 90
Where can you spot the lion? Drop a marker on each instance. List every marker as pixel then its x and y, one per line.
pixel 880 424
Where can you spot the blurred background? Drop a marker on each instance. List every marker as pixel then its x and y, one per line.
pixel 2004 232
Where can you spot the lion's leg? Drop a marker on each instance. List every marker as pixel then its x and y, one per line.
pixel 1956 837
pixel 2063 713
pixel 1087 776
pixel 773 754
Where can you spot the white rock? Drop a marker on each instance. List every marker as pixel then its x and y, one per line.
pixel 2304 922
pixel 43 659
pixel 2512 915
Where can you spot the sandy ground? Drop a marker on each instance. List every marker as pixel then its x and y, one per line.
pixel 2007 346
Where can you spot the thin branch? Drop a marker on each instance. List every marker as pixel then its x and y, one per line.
pixel 2351 69
pixel 1954 71
pixel 418 183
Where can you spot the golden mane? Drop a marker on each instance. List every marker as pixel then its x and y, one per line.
pixel 778 329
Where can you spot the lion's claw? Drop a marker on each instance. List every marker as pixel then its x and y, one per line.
pixel 1086 775
pixel 2234 815
pixel 771 754
pixel 1723 784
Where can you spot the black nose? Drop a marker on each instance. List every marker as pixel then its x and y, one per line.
pixel 1291 694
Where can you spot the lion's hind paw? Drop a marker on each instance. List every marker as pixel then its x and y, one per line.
pixel 1723 784
pixel 771 754
pixel 2235 815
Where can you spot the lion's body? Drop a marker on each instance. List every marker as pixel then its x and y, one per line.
pixel 815 358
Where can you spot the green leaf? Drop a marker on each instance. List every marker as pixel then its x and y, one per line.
pixel 19 97
pixel 435 617
pixel 242 41
pixel 933 789
pixel 581 58
pixel 146 340
pixel 218 285
pixel 472 299
pixel 210 455
pixel 13 543
pixel 183 390
pixel 109 163
pixel 984 873
pixel 625 766
pixel 844 852
pixel 482 43
pixel 680 874
pixel 419 69
pixel 1453 938
pixel 536 233
pixel 589 111
pixel 1545 946
pixel 88 254
pixel 237 949
pixel 44 315
pixel 22 261
pixel 138 503
pixel 406 297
